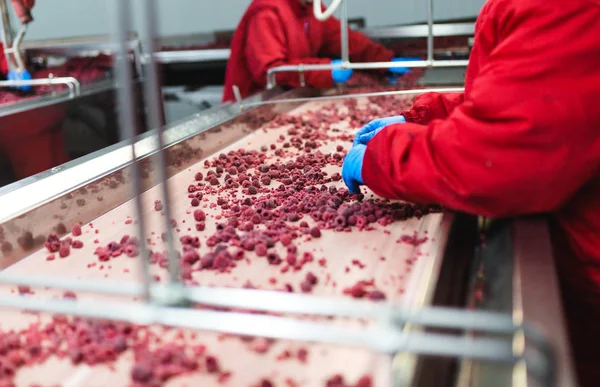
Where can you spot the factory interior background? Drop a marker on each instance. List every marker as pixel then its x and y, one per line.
pixel 57 19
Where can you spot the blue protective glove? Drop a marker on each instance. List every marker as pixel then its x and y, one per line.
pixel 20 76
pixel 402 70
pixel 352 168
pixel 340 75
pixel 367 132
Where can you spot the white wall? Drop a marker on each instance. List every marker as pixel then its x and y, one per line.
pixel 63 18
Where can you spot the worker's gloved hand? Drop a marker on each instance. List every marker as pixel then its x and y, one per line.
pixel 352 168
pixel 24 75
pixel 370 130
pixel 401 70
pixel 340 75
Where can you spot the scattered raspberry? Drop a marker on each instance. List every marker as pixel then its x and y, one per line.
pixel 24 289
pixel 199 215
pixel 211 364
pixel 302 355
pixel 76 229
pixel 64 250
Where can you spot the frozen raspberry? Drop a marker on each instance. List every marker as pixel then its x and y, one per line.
pixel 24 289
pixel 315 232
pixel 141 373
pixel 64 250
pixel 76 229
pixel 261 250
pixel 212 364
pixel 199 215
pixel 376 295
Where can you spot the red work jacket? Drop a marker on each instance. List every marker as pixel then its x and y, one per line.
pixel 33 143
pixel 524 138
pixel 3 64
pixel 282 32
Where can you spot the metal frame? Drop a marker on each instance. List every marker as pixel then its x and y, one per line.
pixel 421 31
pixel 87 45
pixel 90 45
pixel 166 304
pixel 71 82
pixel 57 97
pixel 346 64
pixel 15 49
pixel 536 279
pixel 223 54
pixel 245 105
pixel 388 338
pixel 189 56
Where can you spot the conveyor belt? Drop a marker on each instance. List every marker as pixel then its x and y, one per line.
pixel 103 202
pixel 403 271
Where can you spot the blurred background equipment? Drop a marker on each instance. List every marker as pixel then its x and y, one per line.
pixel 69 59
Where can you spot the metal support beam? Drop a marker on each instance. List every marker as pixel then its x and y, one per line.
pixel 346 64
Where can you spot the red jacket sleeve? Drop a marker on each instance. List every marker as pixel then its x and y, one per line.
pixel 526 138
pixel 431 106
pixel 361 48
pixel 22 9
pixel 3 64
pixel 266 47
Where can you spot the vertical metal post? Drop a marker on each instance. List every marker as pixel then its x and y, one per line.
pixel 344 33
pixel 270 80
pixel 430 31
pixel 137 52
pixel 155 120
pixel 121 13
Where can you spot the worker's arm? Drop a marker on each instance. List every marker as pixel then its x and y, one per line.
pixel 426 108
pixel 360 48
pixel 431 106
pixel 23 9
pixel 266 47
pixel 3 63
pixel 524 141
pixel 483 163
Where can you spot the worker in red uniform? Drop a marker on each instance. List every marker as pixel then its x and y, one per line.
pixel 22 9
pixel 32 143
pixel 285 32
pixel 524 138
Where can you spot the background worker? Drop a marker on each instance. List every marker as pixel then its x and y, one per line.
pixel 285 32
pixel 34 144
